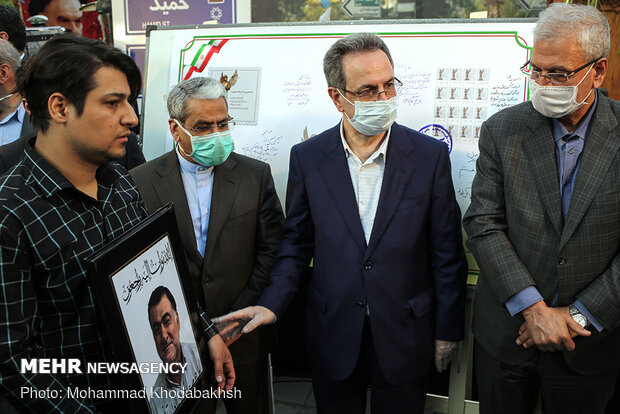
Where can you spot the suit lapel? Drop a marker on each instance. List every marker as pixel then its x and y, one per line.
pixel 225 187
pixel 335 172
pixel 598 153
pixel 398 172
pixel 539 148
pixel 27 127
pixel 169 187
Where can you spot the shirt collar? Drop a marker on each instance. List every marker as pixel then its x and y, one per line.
pixel 560 132
pixel 190 167
pixel 18 114
pixel 380 151
pixel 50 180
pixel 168 380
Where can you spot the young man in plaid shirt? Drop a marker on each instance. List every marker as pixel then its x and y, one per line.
pixel 62 202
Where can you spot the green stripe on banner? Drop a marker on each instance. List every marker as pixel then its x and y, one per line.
pixel 198 55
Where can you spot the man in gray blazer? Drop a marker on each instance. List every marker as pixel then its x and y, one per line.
pixel 544 227
pixel 229 217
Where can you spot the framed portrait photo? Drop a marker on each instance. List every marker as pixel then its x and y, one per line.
pixel 146 305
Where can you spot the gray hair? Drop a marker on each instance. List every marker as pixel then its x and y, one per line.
pixel 588 24
pixel 355 43
pixel 8 54
pixel 195 88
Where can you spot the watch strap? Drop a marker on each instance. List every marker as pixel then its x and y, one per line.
pixel 206 324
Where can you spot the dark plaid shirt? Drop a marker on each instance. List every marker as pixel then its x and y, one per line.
pixel 47 228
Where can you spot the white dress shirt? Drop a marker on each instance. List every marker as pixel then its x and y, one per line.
pixel 367 178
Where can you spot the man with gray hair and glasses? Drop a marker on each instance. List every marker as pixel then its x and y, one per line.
pixel 371 202
pixel 544 227
pixel 229 217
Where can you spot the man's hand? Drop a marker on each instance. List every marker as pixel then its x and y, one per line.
pixel 444 351
pixel 222 363
pixel 526 340
pixel 243 321
pixel 228 340
pixel 550 329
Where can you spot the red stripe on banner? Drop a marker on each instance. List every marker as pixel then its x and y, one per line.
pixel 205 61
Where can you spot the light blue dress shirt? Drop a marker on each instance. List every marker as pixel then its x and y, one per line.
pixel 367 178
pixel 11 125
pixel 568 149
pixel 198 184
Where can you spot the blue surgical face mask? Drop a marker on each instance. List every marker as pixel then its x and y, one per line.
pixel 373 117
pixel 211 149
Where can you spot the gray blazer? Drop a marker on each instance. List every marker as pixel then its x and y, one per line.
pixel 518 237
pixel 245 227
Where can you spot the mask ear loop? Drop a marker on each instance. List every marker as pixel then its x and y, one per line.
pixel 584 76
pixel 179 144
pixel 345 98
pixel 591 89
pixel 586 98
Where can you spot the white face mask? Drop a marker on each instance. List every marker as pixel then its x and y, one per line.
pixel 556 101
pixel 373 117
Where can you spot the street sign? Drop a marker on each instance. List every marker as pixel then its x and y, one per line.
pixel 533 5
pixel 361 8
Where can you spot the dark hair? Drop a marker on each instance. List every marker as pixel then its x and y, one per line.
pixel 67 64
pixel 355 43
pixel 37 6
pixel 13 25
pixel 156 296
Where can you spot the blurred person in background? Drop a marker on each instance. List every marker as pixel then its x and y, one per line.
pixel 12 28
pixel 64 13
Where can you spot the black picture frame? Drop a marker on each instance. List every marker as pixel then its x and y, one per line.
pixel 129 269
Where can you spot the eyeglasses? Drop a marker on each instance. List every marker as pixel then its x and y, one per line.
pixel 209 128
pixel 367 94
pixel 555 78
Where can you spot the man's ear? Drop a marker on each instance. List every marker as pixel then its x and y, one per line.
pixel 58 107
pixel 26 106
pixel 174 130
pixel 6 73
pixel 4 35
pixel 334 93
pixel 600 69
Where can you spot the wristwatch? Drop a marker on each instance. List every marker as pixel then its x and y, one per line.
pixel 208 327
pixel 577 316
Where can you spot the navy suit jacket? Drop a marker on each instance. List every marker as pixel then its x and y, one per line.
pixel 411 274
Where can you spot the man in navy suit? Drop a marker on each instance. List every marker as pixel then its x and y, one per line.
pixel 372 203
